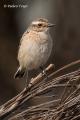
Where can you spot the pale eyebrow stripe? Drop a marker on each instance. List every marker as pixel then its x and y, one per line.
pixel 35 22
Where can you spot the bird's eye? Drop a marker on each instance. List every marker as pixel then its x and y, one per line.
pixel 39 25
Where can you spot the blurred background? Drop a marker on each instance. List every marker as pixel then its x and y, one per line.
pixel 14 21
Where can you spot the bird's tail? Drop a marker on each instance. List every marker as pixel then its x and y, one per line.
pixel 19 74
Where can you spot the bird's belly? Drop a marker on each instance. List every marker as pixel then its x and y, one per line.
pixel 41 56
pixel 34 55
pixel 45 51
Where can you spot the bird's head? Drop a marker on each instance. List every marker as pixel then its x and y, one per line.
pixel 41 25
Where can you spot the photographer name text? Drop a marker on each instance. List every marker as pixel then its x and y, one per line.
pixel 15 6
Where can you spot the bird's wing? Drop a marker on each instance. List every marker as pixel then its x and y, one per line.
pixel 25 33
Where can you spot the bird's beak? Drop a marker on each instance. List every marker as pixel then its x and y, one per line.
pixel 51 25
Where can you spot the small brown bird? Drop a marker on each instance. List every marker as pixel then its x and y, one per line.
pixel 35 47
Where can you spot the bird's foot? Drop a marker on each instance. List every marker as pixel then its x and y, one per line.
pixel 44 72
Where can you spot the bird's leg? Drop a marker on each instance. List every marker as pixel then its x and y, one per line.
pixel 27 80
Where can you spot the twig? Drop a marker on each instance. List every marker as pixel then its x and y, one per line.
pixel 66 66
pixel 38 86
pixel 15 102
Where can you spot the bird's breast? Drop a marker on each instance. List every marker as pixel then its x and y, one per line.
pixel 34 50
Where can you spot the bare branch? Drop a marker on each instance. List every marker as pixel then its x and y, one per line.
pixel 63 105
